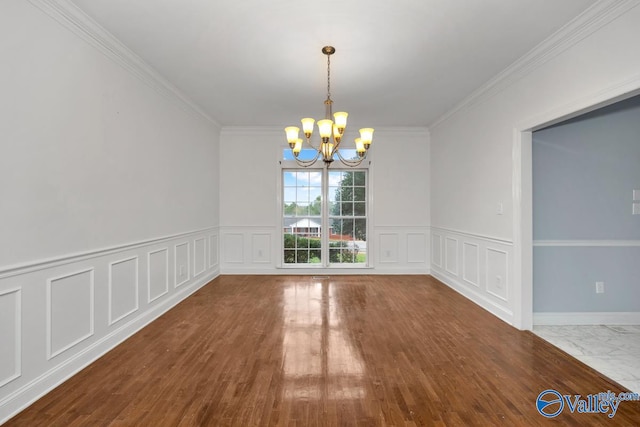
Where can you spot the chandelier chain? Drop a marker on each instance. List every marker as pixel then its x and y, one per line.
pixel 328 77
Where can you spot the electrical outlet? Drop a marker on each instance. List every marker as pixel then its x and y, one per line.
pixel 599 287
pixel 499 208
pixel 499 282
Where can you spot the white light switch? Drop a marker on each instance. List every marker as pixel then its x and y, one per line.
pixel 636 195
pixel 636 209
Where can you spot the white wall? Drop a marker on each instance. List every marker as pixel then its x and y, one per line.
pixel 249 212
pixel 472 148
pixel 109 199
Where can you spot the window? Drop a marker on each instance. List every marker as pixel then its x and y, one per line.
pixel 302 217
pixel 324 219
pixel 347 216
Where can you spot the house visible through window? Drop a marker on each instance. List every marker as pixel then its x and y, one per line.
pixel 324 219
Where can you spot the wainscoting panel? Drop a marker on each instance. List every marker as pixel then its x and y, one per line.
pixel 233 248
pixel 60 314
pixel 182 266
pixel 157 274
pixel 497 273
pixel 123 289
pixel 400 250
pixel 261 248
pixel 471 263
pixel 451 255
pixel 436 249
pixel 390 250
pixel 199 256
pixel 214 250
pixel 10 334
pixel 416 248
pixel 250 250
pixel 69 310
pixel 388 244
pixel 483 273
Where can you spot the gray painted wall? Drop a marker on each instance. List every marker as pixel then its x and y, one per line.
pixel 584 172
pixel 564 279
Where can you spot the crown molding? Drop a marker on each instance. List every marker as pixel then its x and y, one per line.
pixel 591 20
pixel 66 13
pixel 417 130
pixel 408 130
pixel 251 129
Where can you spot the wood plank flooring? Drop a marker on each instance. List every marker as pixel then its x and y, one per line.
pixel 347 350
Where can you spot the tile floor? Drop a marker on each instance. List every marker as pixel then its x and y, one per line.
pixel 611 350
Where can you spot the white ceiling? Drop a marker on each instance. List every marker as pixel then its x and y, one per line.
pixel 397 63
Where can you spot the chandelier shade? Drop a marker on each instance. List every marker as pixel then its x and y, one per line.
pixel 331 130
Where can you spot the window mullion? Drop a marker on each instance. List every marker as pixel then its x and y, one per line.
pixel 325 218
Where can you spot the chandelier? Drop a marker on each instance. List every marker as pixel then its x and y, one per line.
pixel 331 132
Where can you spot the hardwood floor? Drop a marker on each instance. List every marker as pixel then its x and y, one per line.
pixel 347 350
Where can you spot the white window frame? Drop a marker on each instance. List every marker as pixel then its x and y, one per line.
pixel 325 264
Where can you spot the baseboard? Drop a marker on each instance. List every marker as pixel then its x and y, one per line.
pixel 323 271
pixel 34 390
pixel 587 318
pixel 502 313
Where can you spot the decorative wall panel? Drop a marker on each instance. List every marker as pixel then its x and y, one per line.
pixel 471 263
pixel 199 256
pixel 436 250
pixel 497 268
pixel 388 248
pixel 123 288
pixel 451 255
pixel 69 311
pixel 157 273
pixel 10 335
pixel 214 259
pixel 182 266
pixel 261 248
pixel 233 245
pixel 416 247
pixel 484 265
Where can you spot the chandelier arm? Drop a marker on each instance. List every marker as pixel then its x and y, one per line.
pixel 307 163
pixel 350 163
pixel 313 146
pixel 310 162
pixel 336 144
